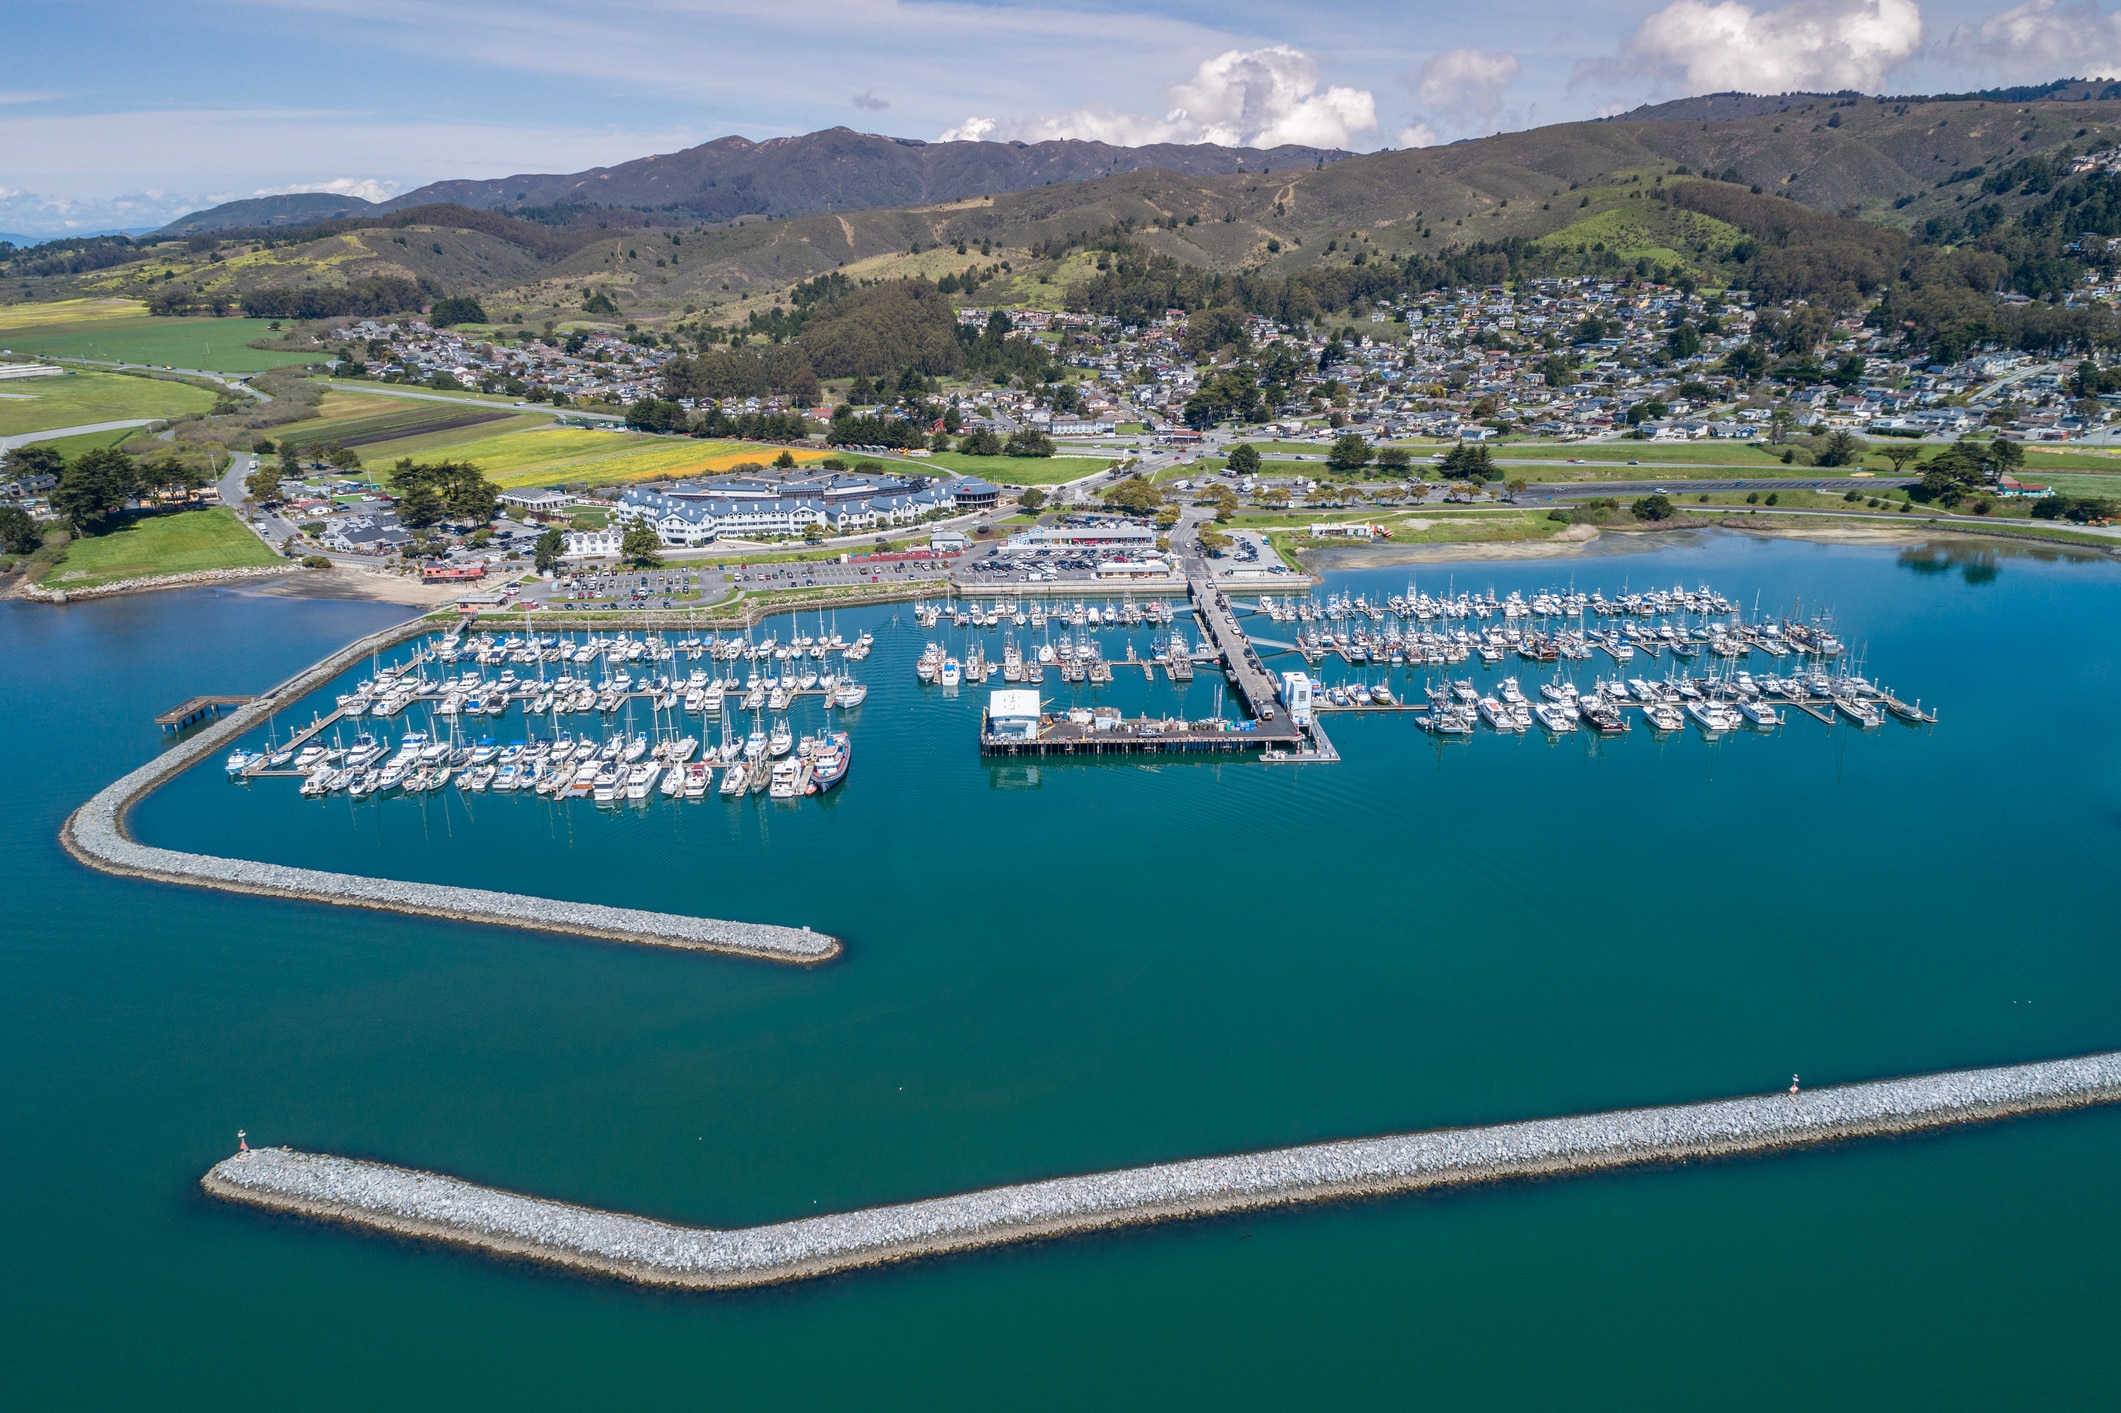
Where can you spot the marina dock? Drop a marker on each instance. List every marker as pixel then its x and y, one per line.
pixel 1102 731
pixel 435 1207
pixel 95 834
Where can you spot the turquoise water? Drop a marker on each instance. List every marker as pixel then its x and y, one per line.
pixel 1085 966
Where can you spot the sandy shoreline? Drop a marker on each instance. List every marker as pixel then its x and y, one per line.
pixel 373 585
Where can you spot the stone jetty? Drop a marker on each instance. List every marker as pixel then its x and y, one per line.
pixel 430 1206
pixel 96 835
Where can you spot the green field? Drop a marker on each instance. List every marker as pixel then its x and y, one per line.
pixel 1701 453
pixel 39 404
pixel 2077 484
pixel 504 401
pixel 2109 461
pixel 445 442
pixel 1016 470
pixel 216 345
pixel 1431 529
pixel 133 439
pixel 358 420
pixel 160 544
pixel 565 455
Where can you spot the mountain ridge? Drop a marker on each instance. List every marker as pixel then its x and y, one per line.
pixel 820 173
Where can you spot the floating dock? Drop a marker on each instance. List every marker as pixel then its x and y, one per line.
pixel 434 1207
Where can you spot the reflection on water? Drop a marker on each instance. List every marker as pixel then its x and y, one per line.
pixel 1976 566
pixel 1978 561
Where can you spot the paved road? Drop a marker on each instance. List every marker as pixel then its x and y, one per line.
pixel 1576 490
pixel 54 433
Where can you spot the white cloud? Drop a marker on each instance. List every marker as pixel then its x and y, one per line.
pixel 1808 44
pixel 2042 40
pixel 165 162
pixel 1240 98
pixel 42 214
pixel 1417 135
pixel 1468 79
pixel 367 188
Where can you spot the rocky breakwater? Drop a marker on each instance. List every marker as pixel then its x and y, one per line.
pixel 96 835
pixel 430 1206
pixel 146 582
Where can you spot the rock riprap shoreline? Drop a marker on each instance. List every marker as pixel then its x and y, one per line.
pixel 434 1207
pixel 96 835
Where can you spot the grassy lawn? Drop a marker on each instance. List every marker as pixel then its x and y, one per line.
pixel 567 455
pixel 38 404
pixel 1017 470
pixel 52 313
pixel 161 544
pixel 216 345
pixel 1437 529
pixel 1704 453
pixel 1822 500
pixel 2079 484
pixel 2038 461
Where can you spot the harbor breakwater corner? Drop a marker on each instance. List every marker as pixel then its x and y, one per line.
pixel 95 835
pixel 430 1206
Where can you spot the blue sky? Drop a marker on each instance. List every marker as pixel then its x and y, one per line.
pixel 117 113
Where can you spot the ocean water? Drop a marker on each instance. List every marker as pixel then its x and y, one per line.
pixel 1067 967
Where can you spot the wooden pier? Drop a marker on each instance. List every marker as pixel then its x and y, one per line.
pixel 197 709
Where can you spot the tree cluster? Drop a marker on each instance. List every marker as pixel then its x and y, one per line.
pixel 431 492
pixel 367 296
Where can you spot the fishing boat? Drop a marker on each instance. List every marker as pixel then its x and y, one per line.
pixel 1759 713
pixel 829 766
pixel 953 672
pixel 850 693
pixel 780 741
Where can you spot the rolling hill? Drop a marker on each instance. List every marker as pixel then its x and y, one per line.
pixel 1622 193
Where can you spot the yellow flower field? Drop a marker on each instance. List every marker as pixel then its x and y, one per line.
pixel 569 454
